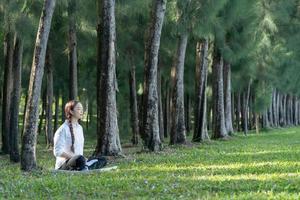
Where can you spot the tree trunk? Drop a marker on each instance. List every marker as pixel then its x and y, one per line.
pixel 49 98
pixel 167 111
pixel 283 110
pixel 238 111
pixel 251 120
pixel 280 110
pixel 288 110
pixel 88 116
pixel 246 97
pixel 243 116
pixel 63 107
pixel 87 111
pixel 7 88
pixel 42 116
pixel 218 124
pixel 295 111
pixel 277 108
pixel 298 116
pixel 150 125
pixel 265 123
pixel 108 141
pixel 200 109
pixel 274 94
pixel 187 113
pixel 133 106
pixel 28 157
pixel 15 100
pixel 291 109
pixel 209 114
pixel 178 132
pixel 91 114
pixel 270 113
pixel 160 109
pixel 73 90
pixel 257 124
pixel 227 99
pixel 233 109
pixel 56 110
pixel 24 111
pixel 140 110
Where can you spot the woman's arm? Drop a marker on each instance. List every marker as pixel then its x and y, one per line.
pixel 59 144
pixel 66 155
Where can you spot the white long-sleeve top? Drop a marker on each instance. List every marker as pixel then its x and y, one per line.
pixel 63 142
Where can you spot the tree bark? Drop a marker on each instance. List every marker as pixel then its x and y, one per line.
pixel 72 6
pixel 56 110
pixel 24 111
pixel 200 110
pixel 257 124
pixel 91 114
pixel 87 111
pixel 108 141
pixel 291 110
pixel 288 110
pixel 255 115
pixel 7 88
pixel 167 110
pixel 294 111
pixel 246 97
pixel 238 111
pixel 42 116
pixel 233 109
pixel 15 100
pixel 178 132
pixel 276 113
pixel 218 124
pixel 298 116
pixel 270 113
pixel 280 110
pixel 49 98
pixel 277 107
pixel 160 108
pixel 150 125
pixel 63 107
pixel 227 98
pixel 274 104
pixel 88 116
pixel 133 106
pixel 28 156
pixel 187 114
pixel 284 110
pixel 265 123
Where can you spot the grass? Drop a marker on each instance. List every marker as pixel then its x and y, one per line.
pixel 264 166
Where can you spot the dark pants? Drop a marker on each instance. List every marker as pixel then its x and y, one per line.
pixel 74 163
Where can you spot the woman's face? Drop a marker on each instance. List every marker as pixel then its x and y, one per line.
pixel 77 112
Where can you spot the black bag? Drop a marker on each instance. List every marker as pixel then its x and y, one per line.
pixel 96 162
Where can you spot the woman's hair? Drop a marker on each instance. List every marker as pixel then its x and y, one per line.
pixel 68 108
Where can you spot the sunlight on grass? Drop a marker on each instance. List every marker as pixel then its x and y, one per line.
pixel 262 152
pixel 264 166
pixel 260 177
pixel 162 167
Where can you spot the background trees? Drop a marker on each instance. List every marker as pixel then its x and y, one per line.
pixel 213 67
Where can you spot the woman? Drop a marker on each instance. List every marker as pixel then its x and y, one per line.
pixel 69 140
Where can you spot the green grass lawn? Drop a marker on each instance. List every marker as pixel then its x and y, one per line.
pixel 264 166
